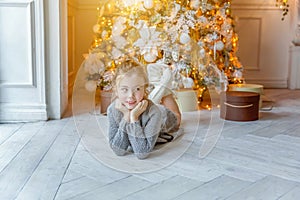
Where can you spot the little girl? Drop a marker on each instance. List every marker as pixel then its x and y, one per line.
pixel 135 122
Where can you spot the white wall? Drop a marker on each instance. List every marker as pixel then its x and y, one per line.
pixel 264 41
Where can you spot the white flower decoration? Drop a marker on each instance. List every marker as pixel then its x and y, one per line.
pixel 137 25
pixel 195 4
pixel 116 53
pixel 148 4
pixel 129 3
pixel 149 41
pixel 94 64
pixel 119 41
pixel 119 26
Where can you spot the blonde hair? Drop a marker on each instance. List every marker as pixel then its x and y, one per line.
pixel 129 67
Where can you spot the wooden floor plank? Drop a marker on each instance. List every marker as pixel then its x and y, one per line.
pixel 238 172
pixel 254 162
pixel 20 169
pixel 292 194
pixel 78 187
pixel 294 130
pixel 193 168
pixel 157 176
pixel 7 130
pixel 71 175
pixel 116 190
pixel 274 151
pixel 83 163
pixel 269 188
pixel 168 189
pixel 287 140
pixel 11 147
pixel 52 168
pixel 219 188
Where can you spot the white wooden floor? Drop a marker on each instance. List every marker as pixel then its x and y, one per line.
pixel 252 160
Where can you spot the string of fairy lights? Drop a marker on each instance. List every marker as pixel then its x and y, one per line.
pixel 284 6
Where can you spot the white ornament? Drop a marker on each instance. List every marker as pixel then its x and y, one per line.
pixel 96 28
pixel 175 56
pixel 195 4
pixel 104 34
pixel 202 53
pixel 128 3
pixel 148 4
pixel 219 45
pixel 187 82
pixel 150 57
pixel 184 38
pixel 237 74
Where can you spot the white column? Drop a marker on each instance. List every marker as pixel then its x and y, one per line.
pixel 56 64
pixel 294 72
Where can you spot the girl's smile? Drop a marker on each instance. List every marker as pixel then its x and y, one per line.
pixel 131 90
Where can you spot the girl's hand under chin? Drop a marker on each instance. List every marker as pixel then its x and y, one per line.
pixel 138 110
pixel 126 113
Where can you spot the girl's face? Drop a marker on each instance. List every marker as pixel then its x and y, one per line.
pixel 131 90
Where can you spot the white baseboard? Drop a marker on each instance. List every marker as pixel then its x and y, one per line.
pixel 269 83
pixel 22 113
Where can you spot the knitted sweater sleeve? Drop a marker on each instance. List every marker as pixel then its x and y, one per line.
pixel 143 134
pixel 118 138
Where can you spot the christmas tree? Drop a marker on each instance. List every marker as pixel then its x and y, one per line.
pixel 196 38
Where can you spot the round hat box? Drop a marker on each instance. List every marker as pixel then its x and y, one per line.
pixel 248 88
pixel 239 106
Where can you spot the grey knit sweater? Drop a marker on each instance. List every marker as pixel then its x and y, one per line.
pixel 142 135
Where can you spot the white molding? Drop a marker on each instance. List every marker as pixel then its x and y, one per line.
pixel 257 49
pixel 269 83
pixel 17 52
pixel 254 6
pixel 40 49
pixel 89 4
pixel 73 4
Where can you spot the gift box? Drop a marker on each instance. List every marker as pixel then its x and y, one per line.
pixel 239 106
pixel 186 100
pixel 248 88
